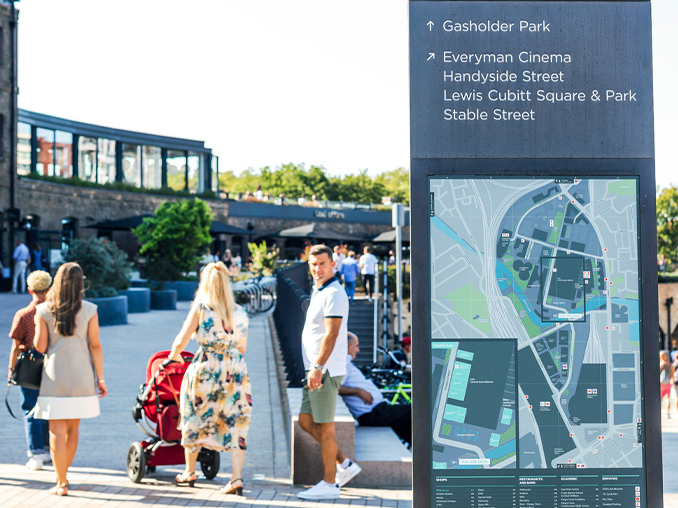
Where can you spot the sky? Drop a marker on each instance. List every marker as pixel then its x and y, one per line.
pixel 262 82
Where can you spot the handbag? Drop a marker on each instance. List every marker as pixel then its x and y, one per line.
pixel 27 374
pixel 28 369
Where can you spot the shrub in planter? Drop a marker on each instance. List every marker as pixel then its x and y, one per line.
pixel 105 266
pixel 175 239
pixel 263 260
pixel 106 270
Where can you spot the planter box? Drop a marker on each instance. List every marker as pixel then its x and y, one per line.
pixel 112 310
pixel 138 299
pixel 185 289
pixel 164 299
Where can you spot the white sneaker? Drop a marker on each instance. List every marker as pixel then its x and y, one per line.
pixel 35 463
pixel 346 475
pixel 322 490
pixel 46 458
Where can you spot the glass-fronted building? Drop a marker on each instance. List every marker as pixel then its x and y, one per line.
pixel 57 147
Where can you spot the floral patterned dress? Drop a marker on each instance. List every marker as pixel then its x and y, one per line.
pixel 216 397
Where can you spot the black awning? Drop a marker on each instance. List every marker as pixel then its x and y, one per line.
pixel 319 232
pixel 129 223
pixel 120 224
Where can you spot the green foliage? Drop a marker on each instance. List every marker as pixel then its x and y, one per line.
pixel 667 223
pixel 263 260
pixel 397 185
pixel 119 186
pixel 392 281
pixel 175 239
pixel 295 180
pixel 105 266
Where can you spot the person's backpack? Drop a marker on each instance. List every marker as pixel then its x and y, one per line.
pixel 664 377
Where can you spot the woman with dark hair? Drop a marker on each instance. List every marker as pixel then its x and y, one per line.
pixel 67 332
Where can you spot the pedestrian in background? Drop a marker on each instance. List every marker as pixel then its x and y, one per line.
pixel 38 261
pixel 368 264
pixel 350 271
pixel 67 333
pixel 666 380
pixel 22 256
pixel 338 258
pixel 216 395
pixel 22 334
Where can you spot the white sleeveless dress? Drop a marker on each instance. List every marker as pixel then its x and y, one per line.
pixel 68 387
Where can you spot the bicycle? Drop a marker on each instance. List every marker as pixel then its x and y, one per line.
pixel 258 294
pixel 395 384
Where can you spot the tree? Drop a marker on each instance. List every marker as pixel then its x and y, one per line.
pixel 667 223
pixel 396 184
pixel 175 239
pixel 105 266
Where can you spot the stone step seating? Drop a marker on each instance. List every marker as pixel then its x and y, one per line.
pixel 384 459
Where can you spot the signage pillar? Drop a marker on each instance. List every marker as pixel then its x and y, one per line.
pixel 534 276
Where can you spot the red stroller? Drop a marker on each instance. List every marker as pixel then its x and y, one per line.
pixel 158 407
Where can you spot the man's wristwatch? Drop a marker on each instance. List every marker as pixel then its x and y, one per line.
pixel 318 367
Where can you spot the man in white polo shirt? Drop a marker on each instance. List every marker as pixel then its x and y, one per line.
pixel 324 348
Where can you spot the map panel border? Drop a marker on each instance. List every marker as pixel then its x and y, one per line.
pixel 421 171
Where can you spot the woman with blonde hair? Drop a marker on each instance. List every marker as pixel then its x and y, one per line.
pixel 216 400
pixel 67 332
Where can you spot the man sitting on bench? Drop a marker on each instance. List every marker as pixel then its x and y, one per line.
pixel 367 404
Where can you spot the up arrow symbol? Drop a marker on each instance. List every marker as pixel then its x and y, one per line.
pixel 431 56
pixel 430 25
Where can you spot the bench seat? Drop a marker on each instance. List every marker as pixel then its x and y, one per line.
pixel 385 461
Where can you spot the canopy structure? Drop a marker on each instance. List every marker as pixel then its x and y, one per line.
pixel 317 232
pixel 120 224
pixel 390 237
pixel 132 222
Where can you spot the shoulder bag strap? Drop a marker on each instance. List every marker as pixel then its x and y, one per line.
pixel 7 404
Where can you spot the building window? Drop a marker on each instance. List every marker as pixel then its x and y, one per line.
pixel 196 181
pixel 131 164
pixel 176 169
pixel 23 148
pixel 87 159
pixel 45 151
pixel 215 173
pixel 63 154
pixel 152 167
pixel 106 162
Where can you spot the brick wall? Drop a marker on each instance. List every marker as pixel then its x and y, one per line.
pixel 55 201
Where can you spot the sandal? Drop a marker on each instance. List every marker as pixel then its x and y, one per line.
pixel 229 488
pixel 59 490
pixel 182 479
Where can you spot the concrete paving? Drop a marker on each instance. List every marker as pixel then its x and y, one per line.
pixel 98 474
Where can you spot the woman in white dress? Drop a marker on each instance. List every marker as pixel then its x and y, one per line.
pixel 67 331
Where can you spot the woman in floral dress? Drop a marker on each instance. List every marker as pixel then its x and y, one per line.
pixel 216 399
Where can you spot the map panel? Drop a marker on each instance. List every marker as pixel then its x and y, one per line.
pixel 535 329
pixel 474 410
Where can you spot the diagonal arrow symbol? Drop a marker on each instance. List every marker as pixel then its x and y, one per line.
pixel 431 56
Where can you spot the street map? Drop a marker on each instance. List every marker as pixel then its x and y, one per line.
pixel 535 331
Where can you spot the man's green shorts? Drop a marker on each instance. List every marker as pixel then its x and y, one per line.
pixel 321 402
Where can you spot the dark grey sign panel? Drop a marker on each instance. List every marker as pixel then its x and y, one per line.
pixel 531 79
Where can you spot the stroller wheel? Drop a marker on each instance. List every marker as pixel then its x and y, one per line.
pixel 136 462
pixel 209 463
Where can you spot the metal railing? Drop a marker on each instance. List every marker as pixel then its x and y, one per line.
pixel 289 317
